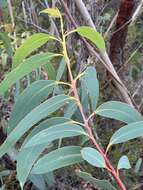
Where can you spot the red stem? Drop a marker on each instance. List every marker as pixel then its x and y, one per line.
pixel 110 168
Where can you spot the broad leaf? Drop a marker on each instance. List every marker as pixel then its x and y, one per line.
pixel 52 12
pixel 28 66
pixel 103 184
pixel 58 131
pixel 29 99
pixel 40 112
pixel 7 43
pixel 92 85
pixel 30 45
pixel 93 157
pixel 56 159
pixel 124 163
pixel 119 111
pixel 92 35
pixel 126 133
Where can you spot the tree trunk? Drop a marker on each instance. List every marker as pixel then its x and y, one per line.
pixel 118 39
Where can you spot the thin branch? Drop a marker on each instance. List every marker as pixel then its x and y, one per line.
pixel 105 61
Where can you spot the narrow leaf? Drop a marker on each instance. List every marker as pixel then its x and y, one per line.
pixel 25 161
pixel 50 71
pixel 56 159
pixel 60 70
pixel 29 99
pixel 23 69
pixel 124 163
pixel 7 43
pixel 38 181
pixel 55 132
pixel 40 112
pixel 27 156
pixel 119 111
pixel 93 157
pixel 46 124
pixel 92 85
pixel 138 165
pixel 52 12
pixel 103 184
pixel 126 133
pixel 30 45
pixel 92 35
pixel 70 109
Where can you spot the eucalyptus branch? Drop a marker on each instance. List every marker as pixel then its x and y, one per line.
pixel 109 167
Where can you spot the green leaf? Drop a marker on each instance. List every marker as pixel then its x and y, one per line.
pixel 25 161
pixel 46 124
pixel 61 70
pixel 3 3
pixel 103 184
pixel 58 131
pixel 52 12
pixel 93 157
pixel 92 85
pixel 138 165
pixel 7 43
pixel 31 44
pixel 126 133
pixel 49 179
pixel 70 109
pixel 37 114
pixel 27 156
pixel 28 66
pixel 38 181
pixel 119 111
pixel 29 99
pixel 56 159
pixel 93 36
pixel 50 71
pixel 124 163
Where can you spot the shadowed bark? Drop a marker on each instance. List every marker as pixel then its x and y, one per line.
pixel 118 39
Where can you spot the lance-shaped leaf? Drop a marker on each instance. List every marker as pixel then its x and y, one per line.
pixel 59 131
pixel 36 115
pixel 92 85
pixel 46 124
pixel 28 156
pixel 70 110
pixel 56 159
pixel 93 157
pixel 29 99
pixel 126 133
pixel 28 66
pixel 49 68
pixel 25 161
pixel 138 165
pixel 52 12
pixel 119 111
pixel 38 181
pixel 7 43
pixel 92 35
pixel 124 163
pixel 30 45
pixel 103 184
